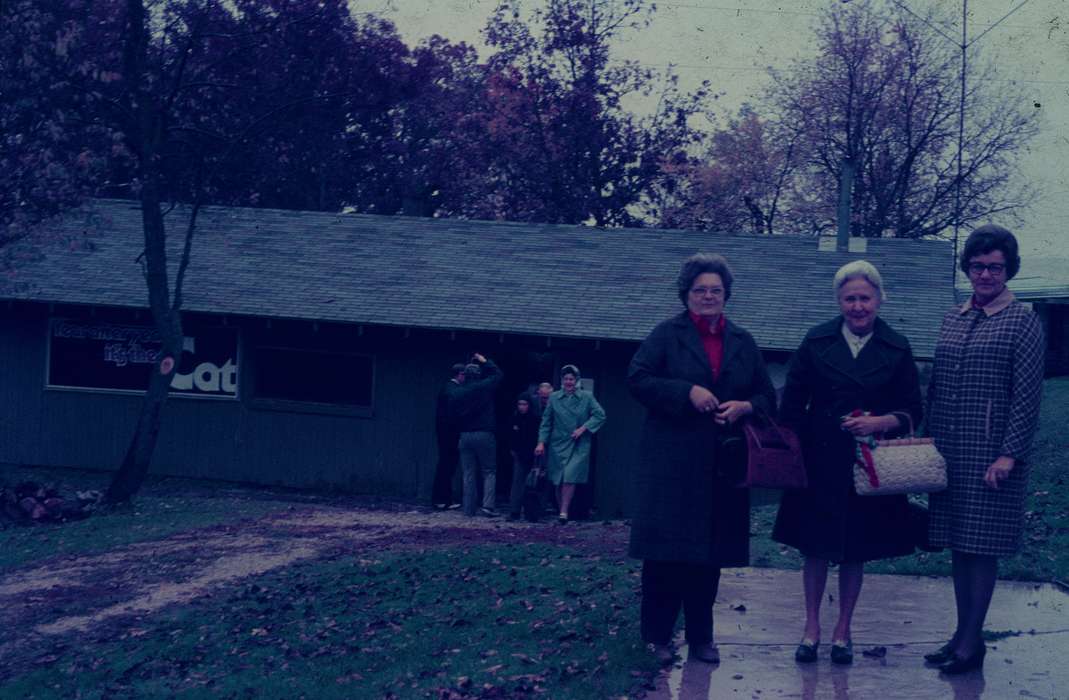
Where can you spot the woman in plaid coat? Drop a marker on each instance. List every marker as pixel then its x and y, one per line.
pixel 983 409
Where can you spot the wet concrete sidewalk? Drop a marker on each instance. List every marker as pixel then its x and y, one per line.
pixel 758 622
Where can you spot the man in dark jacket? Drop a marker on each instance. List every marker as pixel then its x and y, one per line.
pixel 448 434
pixel 473 404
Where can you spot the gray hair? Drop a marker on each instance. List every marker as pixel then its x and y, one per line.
pixel 859 270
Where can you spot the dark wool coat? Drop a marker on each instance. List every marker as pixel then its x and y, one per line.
pixel 445 423
pixel 684 511
pixel 984 402
pixel 523 435
pixel 472 403
pixel 828 520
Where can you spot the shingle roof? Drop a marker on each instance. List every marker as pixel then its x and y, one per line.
pixel 504 277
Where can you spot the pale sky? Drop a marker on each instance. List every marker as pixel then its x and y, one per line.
pixel 731 42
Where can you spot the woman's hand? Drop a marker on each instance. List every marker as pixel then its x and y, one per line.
pixel 540 449
pixel 999 470
pixel 730 411
pixel 703 400
pixel 867 425
pixel 578 432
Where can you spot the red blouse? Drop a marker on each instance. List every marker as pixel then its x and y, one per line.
pixel 712 339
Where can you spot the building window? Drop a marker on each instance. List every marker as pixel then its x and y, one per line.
pixel 317 379
pixel 97 355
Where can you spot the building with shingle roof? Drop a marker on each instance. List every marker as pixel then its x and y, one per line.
pixel 333 332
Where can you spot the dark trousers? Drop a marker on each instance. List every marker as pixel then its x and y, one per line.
pixel 521 467
pixel 448 459
pixel 478 451
pixel 668 586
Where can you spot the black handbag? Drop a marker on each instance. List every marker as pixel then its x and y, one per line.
pixel 532 492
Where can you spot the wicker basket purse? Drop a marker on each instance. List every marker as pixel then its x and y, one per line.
pixel 903 465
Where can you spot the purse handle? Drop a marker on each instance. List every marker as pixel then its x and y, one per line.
pixel 909 421
pixel 771 421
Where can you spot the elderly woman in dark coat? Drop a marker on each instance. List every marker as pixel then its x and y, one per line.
pixel 984 407
pixel 853 364
pixel 697 374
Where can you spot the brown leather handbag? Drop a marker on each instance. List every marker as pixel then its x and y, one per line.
pixel 773 458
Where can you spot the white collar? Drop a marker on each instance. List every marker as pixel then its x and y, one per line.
pixel 854 341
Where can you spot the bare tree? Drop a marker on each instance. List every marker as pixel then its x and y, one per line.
pixel 882 94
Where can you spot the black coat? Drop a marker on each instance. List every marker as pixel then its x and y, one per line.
pixel 471 404
pixel 523 435
pixel 828 520
pixel 446 424
pixel 683 510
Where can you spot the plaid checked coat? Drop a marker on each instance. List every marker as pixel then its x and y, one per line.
pixel 983 402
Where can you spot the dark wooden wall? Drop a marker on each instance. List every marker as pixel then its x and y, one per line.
pixel 1055 318
pixel 389 452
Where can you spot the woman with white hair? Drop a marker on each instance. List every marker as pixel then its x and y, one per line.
pixel 851 377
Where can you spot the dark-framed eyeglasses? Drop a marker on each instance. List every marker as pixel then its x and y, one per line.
pixel 976 269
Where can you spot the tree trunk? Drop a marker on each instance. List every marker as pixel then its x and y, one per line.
pixel 168 320
pixel 131 475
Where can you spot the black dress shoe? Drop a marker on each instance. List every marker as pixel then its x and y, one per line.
pixel 706 652
pixel 663 653
pixel 842 653
pixel 963 664
pixel 806 653
pixel 940 656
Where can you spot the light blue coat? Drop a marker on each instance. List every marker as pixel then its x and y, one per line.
pixel 568 460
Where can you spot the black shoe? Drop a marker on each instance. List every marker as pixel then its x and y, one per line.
pixel 959 664
pixel 706 652
pixel 806 653
pixel 842 653
pixel 513 517
pixel 940 656
pixel 662 652
pixel 562 519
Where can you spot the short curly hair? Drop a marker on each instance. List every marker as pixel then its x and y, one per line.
pixel 699 264
pixel 987 239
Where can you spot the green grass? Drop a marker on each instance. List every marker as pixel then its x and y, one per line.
pixel 165 507
pixel 1045 553
pixel 488 621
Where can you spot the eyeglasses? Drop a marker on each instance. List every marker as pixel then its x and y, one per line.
pixel 712 291
pixel 977 269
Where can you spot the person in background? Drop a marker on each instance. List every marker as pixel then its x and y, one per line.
pixel 570 418
pixel 548 495
pixel 852 376
pixel 697 374
pixel 523 436
pixel 473 404
pixel 544 390
pixel 983 404
pixel 447 435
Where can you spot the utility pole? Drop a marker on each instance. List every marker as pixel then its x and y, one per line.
pixel 961 137
pixel 846 189
pixel 964 45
